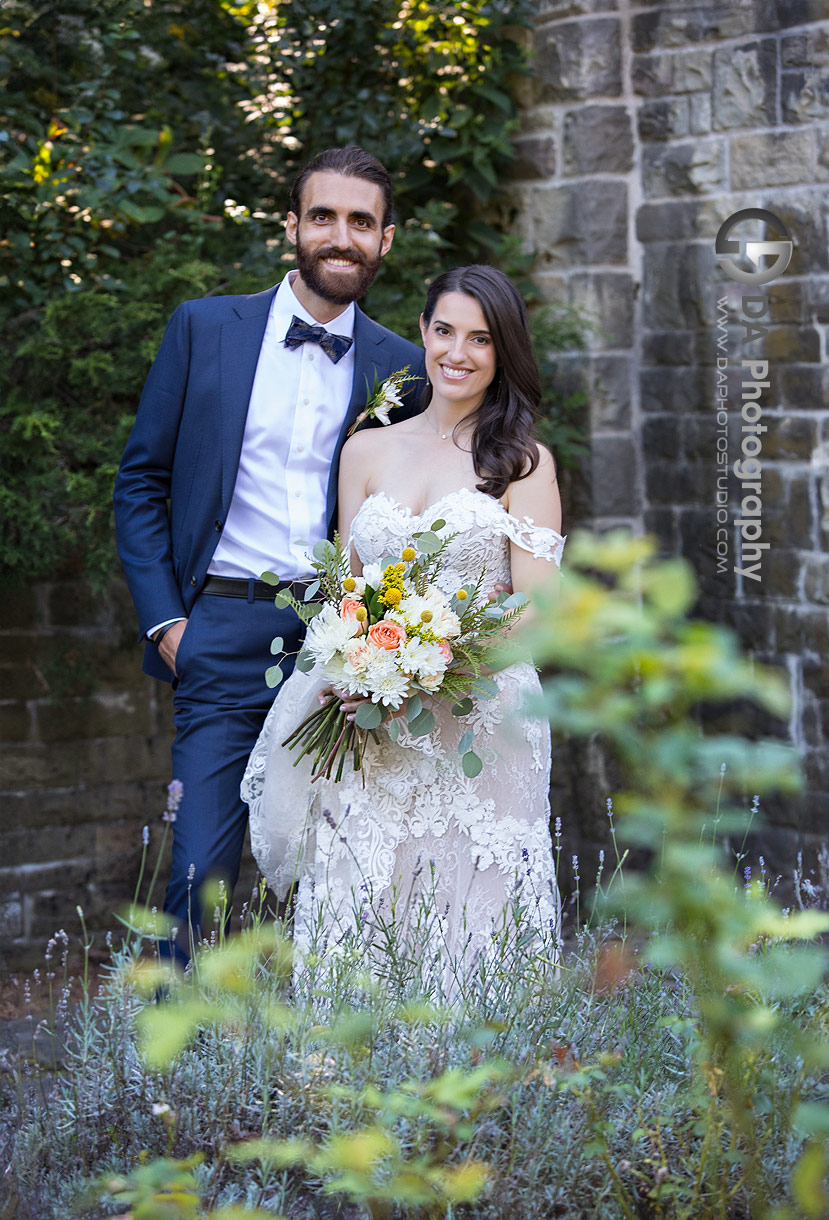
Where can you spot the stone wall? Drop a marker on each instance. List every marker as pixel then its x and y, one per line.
pixel 84 764
pixel 646 126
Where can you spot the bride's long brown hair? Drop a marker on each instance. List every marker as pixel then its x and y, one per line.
pixel 503 440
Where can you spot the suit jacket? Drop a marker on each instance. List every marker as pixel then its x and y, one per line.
pixel 176 478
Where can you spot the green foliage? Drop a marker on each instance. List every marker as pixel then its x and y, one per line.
pixel 676 1065
pixel 145 156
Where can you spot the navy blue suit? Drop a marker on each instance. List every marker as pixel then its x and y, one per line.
pixel 172 496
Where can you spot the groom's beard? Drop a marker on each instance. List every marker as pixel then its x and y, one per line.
pixel 328 284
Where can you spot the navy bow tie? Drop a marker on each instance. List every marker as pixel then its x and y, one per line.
pixel 334 346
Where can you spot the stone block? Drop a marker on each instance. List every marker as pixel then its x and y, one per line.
pixel 597 140
pixel 118 847
pixel 11 918
pixel 20 609
pixel 678 286
pixel 535 157
pixel 816 586
pixel 673 220
pixel 682 72
pixel 579 224
pixel 660 347
pixel 73 604
pixel 613 480
pixel 805 95
pixel 661 439
pixel 784 14
pixel 579 60
pixel 677 27
pixel 34 810
pixel 20 846
pixel 102 715
pixel 674 390
pixel 662 523
pixel 790 437
pixel 791 345
pixel 669 482
pixel 555 9
pixel 70 764
pixel 745 86
pixel 664 119
pixel 610 397
pixel 804 387
pixel 817 299
pixel 806 49
pixel 772 158
pixel 15 721
pixel 816 676
pixel 696 167
pixel 700 115
pixel 799 630
pixel 607 297
pixel 18 648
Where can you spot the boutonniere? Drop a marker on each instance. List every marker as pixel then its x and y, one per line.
pixel 384 398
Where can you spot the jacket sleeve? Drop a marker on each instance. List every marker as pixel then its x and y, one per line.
pixel 143 483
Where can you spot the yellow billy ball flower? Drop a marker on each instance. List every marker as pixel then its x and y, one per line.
pixel 392 597
pixel 409 554
pixel 361 614
pixel 461 595
pixel 349 584
pixel 426 616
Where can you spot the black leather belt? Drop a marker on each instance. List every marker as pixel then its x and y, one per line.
pixel 252 590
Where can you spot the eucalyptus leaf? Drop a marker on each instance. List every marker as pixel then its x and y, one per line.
pixel 323 550
pixel 428 543
pixel 463 707
pixel 269 578
pixel 277 645
pixel 312 591
pixel 273 676
pixel 368 716
pixel 471 764
pixel 414 707
pixel 394 728
pixel 438 525
pixel 304 662
pixel 422 724
pixel 466 741
pixel 282 600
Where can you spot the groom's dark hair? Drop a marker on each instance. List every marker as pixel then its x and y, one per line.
pixel 353 162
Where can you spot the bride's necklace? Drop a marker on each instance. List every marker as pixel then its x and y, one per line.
pixel 443 435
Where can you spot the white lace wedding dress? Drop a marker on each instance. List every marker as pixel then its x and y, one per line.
pixel 419 829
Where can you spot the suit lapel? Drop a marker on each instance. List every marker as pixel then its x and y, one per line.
pixel 239 346
pixel 369 358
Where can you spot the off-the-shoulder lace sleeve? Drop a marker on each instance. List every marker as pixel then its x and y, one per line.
pixel 541 541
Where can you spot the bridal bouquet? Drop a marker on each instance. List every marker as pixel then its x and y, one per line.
pixel 391 635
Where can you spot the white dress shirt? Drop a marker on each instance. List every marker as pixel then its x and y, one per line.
pixel 297 405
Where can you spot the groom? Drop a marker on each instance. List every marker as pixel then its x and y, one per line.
pixel 230 471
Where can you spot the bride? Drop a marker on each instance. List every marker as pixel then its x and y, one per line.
pixel 419 835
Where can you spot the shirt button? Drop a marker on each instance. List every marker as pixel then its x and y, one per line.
pixel 311 357
pixel 306 401
pixel 300 448
pixel 193 581
pixel 297 496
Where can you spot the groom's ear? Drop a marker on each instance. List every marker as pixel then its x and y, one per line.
pixel 388 237
pixel 291 225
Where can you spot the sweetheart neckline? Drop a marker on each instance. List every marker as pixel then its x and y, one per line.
pixel 472 491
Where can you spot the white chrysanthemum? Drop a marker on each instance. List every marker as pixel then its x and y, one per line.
pixel 411 608
pixel 444 622
pixel 418 657
pixel 334 670
pixel 372 575
pixel 328 634
pixel 387 683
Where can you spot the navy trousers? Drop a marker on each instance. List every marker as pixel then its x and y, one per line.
pixel 220 703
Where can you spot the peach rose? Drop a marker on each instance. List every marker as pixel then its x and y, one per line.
pixel 445 651
pixel 349 607
pixel 387 634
